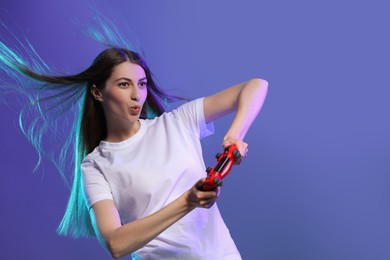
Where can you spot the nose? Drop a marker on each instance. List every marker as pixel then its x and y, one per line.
pixel 135 95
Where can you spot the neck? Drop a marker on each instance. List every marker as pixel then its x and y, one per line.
pixel 118 133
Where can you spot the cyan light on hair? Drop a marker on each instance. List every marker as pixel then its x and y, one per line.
pixel 104 31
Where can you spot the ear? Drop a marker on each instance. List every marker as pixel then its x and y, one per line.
pixel 96 93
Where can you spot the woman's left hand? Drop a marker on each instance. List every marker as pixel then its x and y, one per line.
pixel 241 145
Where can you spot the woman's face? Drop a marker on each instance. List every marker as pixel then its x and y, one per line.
pixel 124 93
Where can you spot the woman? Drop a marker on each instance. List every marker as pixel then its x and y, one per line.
pixel 138 189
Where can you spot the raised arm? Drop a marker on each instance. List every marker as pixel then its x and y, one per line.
pixel 246 99
pixel 121 240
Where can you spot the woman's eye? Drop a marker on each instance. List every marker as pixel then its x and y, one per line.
pixel 124 84
pixel 143 84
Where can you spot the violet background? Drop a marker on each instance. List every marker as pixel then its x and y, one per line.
pixel 316 182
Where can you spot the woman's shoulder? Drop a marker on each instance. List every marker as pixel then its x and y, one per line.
pixel 185 108
pixel 91 157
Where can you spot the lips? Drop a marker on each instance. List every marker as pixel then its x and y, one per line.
pixel 134 110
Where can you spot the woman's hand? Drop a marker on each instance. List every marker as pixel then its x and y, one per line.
pixel 122 240
pixel 246 100
pixel 202 199
pixel 241 145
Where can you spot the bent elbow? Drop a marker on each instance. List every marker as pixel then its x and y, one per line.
pixel 117 249
pixel 115 254
pixel 114 249
pixel 262 83
pixel 260 86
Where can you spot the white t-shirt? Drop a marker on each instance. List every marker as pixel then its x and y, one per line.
pixel 151 169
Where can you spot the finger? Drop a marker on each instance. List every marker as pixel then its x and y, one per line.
pixel 207 195
pixel 207 203
pixel 199 183
pixel 218 191
pixel 200 195
pixel 241 145
pixel 244 149
pixel 226 144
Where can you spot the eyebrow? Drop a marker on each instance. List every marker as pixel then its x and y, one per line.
pixel 124 78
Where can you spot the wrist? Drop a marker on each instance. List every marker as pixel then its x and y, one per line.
pixel 231 139
pixel 187 202
pixel 235 133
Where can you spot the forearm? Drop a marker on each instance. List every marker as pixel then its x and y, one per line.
pixel 249 102
pixel 134 235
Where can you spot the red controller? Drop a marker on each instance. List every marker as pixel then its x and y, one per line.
pixel 225 162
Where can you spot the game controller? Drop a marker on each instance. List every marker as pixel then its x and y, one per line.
pixel 225 162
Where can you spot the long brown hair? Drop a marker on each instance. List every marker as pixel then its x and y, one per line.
pixel 93 125
pixel 89 127
pixel 93 128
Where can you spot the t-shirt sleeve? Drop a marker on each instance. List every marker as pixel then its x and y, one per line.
pixel 192 116
pixel 96 187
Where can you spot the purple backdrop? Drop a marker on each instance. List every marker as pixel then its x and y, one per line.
pixel 316 182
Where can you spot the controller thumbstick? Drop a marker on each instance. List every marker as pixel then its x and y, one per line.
pixel 208 169
pixel 218 181
pixel 237 155
pixel 217 156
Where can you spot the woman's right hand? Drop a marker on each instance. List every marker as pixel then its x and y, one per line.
pixel 124 239
pixel 202 199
